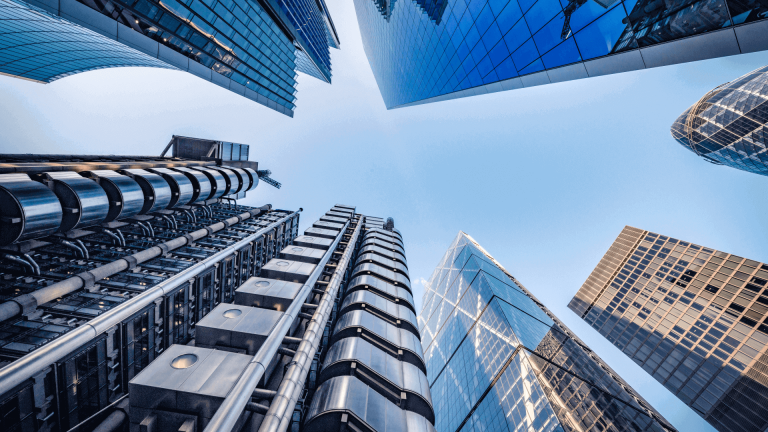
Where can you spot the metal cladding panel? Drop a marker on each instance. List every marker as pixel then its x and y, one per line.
pixel 292 271
pixel 187 379
pixel 371 257
pixel 126 198
pixel 83 201
pixel 313 242
pixel 200 183
pixel 366 299
pixel 347 394
pixel 388 253
pixel 243 177
pixel 319 232
pixel 391 376
pixel 218 182
pixel 340 215
pixel 384 236
pixel 238 327
pixel 28 209
pixel 386 245
pixel 336 219
pixel 382 272
pixel 328 225
pixel 386 332
pixel 182 189
pixel 157 191
pixel 381 287
pixel 303 254
pixel 267 293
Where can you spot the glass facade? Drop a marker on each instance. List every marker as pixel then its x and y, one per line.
pixel 728 125
pixel 255 48
pixel 498 360
pixel 431 48
pixel 694 318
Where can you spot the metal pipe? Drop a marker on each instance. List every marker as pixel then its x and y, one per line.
pixel 143 228
pixel 113 235
pixel 33 262
pixel 280 411
pixel 233 405
pixel 78 252
pixel 256 408
pixel 19 260
pixel 85 249
pixel 29 365
pixel 263 393
pixel 114 422
pixel 120 233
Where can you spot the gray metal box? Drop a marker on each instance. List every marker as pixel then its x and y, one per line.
pixel 236 327
pixel 313 242
pixel 328 225
pixel 344 216
pixel 320 232
pixel 303 254
pixel 287 270
pixel 267 293
pixel 336 219
pixel 184 383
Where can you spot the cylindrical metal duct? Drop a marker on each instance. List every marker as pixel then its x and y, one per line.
pixel 157 192
pixel 28 209
pixel 254 179
pixel 201 186
pixel 126 198
pixel 230 178
pixel 218 182
pixel 182 190
pixel 83 201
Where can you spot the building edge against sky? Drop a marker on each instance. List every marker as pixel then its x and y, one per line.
pixel 727 126
pixel 694 318
pixel 249 47
pixel 497 359
pixel 430 51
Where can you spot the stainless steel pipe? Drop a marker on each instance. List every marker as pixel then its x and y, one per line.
pixel 240 395
pixel 280 411
pixel 32 363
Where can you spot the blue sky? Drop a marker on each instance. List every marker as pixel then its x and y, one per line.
pixel 543 178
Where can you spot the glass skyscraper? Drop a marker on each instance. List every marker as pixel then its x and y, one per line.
pixel 498 360
pixel 694 318
pixel 727 126
pixel 432 50
pixel 252 48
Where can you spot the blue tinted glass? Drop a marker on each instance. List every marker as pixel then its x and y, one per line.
pixel 599 38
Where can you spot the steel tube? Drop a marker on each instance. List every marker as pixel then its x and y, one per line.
pixel 32 363
pixel 280 411
pixel 233 405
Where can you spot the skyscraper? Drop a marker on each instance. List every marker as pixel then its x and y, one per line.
pixel 135 293
pixel 693 317
pixel 727 126
pixel 434 50
pixel 252 48
pixel 498 360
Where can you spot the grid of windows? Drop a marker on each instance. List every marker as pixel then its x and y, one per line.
pixel 60 48
pixel 694 318
pixel 423 49
pixel 727 125
pixel 499 360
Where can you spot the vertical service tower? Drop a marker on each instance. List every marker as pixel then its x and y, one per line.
pixel 373 376
pixel 498 360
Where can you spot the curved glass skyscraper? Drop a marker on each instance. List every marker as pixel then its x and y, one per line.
pixel 728 125
pixel 431 50
pixel 252 48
